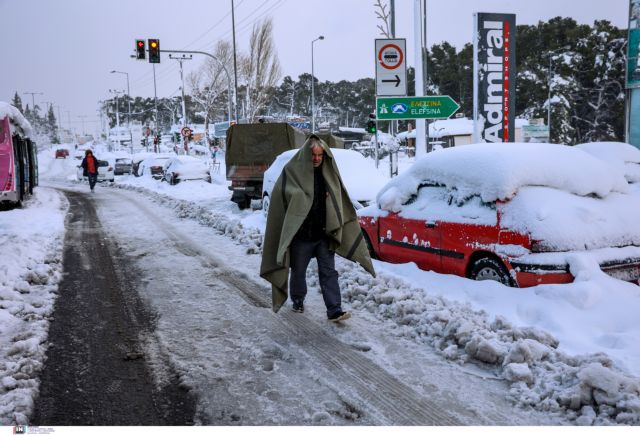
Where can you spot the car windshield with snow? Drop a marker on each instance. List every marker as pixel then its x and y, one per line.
pixel 183 168
pixel 359 174
pixel 153 166
pixel 520 214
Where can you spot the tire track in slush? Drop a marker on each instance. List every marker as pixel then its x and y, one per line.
pixel 90 376
pixel 381 394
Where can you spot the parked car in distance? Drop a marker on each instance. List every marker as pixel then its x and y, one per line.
pixel 359 175
pixel 153 166
pixel 183 168
pixel 105 172
pixel 522 215
pixel 62 153
pixel 123 166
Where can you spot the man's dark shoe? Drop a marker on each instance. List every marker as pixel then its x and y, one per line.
pixel 340 315
pixel 298 307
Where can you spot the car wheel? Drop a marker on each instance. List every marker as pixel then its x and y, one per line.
pixel 265 205
pixel 490 269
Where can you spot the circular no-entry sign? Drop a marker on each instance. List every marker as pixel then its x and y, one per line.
pixel 390 56
pixel 186 131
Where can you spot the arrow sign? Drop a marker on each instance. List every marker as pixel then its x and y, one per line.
pixel 396 81
pixel 391 67
pixel 433 107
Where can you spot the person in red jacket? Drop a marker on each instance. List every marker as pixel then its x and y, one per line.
pixel 90 168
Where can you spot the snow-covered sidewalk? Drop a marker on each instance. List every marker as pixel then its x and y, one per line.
pixel 30 269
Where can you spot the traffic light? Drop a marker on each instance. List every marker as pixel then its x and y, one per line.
pixel 140 50
pixel 154 51
pixel 371 124
pixel 371 127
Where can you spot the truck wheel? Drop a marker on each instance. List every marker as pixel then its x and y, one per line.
pixel 244 203
pixel 490 269
pixel 265 205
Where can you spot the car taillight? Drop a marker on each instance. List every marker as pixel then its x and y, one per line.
pixel 110 169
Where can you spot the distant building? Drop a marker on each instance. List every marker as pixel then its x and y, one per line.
pixel 455 132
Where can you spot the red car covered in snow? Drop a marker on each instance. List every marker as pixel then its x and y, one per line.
pixel 513 213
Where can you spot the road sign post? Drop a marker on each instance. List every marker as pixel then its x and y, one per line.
pixel 432 107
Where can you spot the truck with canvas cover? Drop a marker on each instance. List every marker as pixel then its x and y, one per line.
pixel 330 139
pixel 251 148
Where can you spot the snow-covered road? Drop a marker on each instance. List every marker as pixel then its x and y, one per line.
pixel 248 365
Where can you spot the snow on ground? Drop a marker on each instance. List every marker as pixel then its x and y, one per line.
pixel 30 268
pixel 570 350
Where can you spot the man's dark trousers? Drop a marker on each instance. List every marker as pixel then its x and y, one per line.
pixel 302 252
pixel 93 178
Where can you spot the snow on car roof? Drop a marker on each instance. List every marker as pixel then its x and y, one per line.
pixel 497 171
pixel 623 155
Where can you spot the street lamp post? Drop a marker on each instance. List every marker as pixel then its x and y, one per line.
pixel 313 96
pixel 128 107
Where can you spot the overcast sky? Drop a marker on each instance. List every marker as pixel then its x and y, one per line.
pixel 66 48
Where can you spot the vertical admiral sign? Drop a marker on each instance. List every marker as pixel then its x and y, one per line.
pixel 494 76
pixel 391 67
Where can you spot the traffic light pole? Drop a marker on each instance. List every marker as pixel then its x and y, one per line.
pixel 223 68
pixel 155 99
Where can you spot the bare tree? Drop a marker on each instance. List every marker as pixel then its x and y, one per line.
pixel 384 16
pixel 260 69
pixel 209 85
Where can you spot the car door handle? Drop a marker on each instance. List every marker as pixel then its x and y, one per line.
pixel 429 224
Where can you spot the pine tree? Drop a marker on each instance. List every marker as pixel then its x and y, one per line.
pixel 52 126
pixel 17 102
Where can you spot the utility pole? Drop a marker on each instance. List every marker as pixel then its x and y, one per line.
pixel 184 107
pixel 33 100
pixel 129 107
pixel 82 118
pixel 116 92
pixel 224 68
pixel 235 64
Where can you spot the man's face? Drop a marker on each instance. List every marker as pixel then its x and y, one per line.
pixel 317 155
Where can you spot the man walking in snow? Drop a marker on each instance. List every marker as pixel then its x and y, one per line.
pixel 90 168
pixel 311 215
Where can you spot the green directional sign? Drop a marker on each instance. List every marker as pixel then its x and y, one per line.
pixel 434 107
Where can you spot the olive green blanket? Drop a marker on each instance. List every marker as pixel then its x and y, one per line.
pixel 290 202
